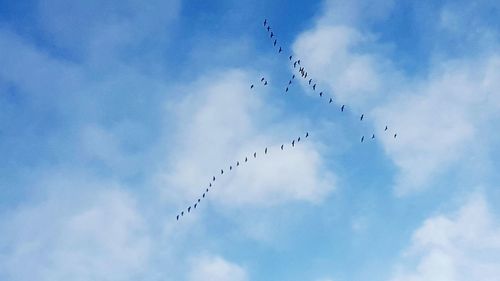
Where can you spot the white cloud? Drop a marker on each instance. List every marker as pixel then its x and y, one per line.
pixel 214 268
pixel 463 246
pixel 221 121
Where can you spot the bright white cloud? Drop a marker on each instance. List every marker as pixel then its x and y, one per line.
pixel 463 246
pixel 214 268
pixel 221 121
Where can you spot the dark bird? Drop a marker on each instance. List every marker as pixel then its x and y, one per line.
pixel 262 79
pixel 314 87
pixel 307 134
pixel 189 209
pixel 373 136
pixel 199 200
pixel 301 69
pixel 255 155
pixel 293 143
pixel 281 147
pixel 230 168
pixel 237 163
pixel 210 184
pixel 268 28
pixel 342 108
pixel 331 100
pixel 265 83
pixel 279 51
pixel 272 34
pixel 265 22
pixel 246 159
pixel 203 195
pixel 195 204
pixel 294 64
pixel 221 171
pixel 320 94
pixel 298 139
pixel 265 151
pixel 289 82
pixel 290 58
pixel 305 76
pixel 385 128
pixel 206 190
pixel 251 87
pixel 182 213
pixel 362 138
pixel 275 41
pixel 310 80
pixel 361 118
pixel 293 76
pixel 298 62
pixel 286 89
pixel 395 135
pixel 213 179
pixel 177 217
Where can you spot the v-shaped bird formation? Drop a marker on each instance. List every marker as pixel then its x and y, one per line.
pixel 232 167
pixel 298 65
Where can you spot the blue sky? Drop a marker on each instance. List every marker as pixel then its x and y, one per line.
pixel 115 115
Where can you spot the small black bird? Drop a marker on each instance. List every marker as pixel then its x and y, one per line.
pixel 289 82
pixel 373 136
pixel 189 209
pixel 395 135
pixel 262 79
pixel 294 64
pixel 281 147
pixel 265 151
pixel 210 184
pixel 199 200
pixel 362 138
pixel 230 168
pixel 265 22
pixel 307 134
pixel 265 83
pixel 331 100
pixel 203 195
pixel 268 28
pixel 279 51
pixel 342 108
pixel 177 217
pixel 251 87
pixel 310 80
pixel 305 76
pixel 182 213
pixel 298 139
pixel 246 159
pixel 314 87
pixel 320 94
pixel 290 58
pixel 286 89
pixel 298 62
pixel 237 163
pixel 385 128
pixel 255 155
pixel 293 76
pixel 195 204
pixel 361 118
pixel 206 190
pixel 293 143
pixel 221 171
pixel 275 41
pixel 213 179
pixel 272 34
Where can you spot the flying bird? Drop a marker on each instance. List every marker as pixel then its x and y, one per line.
pixel 305 76
pixel 189 209
pixel 373 136
pixel 342 108
pixel 203 195
pixel 286 89
pixel 210 184
pixel 298 139
pixel 268 28
pixel 290 58
pixel 182 213
pixel 362 138
pixel 314 87
pixel 331 100
pixel 221 171
pixel 265 83
pixel 385 128
pixel 177 217
pixel 230 168
pixel 320 94
pixel 298 62
pixel 272 34
pixel 293 143
pixel 279 51
pixel 262 79
pixel 237 163
pixel 395 135
pixel 289 82
pixel 265 151
pixel 294 64
pixel 251 87
pixel 310 80
pixel 275 41
pixel 199 200
pixel 265 22
pixel 213 179
pixel 206 190
pixel 281 147
pixel 246 159
pixel 307 134
pixel 255 155
pixel 293 76
pixel 195 204
pixel 361 118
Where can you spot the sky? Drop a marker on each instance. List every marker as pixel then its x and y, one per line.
pixel 116 114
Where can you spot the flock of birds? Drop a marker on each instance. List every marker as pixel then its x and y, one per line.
pixel 310 82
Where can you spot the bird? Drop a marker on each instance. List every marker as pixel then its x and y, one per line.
pixel 307 134
pixel 310 80
pixel 221 171
pixel 265 151
pixel 286 89
pixel 279 51
pixel 362 138
pixel 177 217
pixel 262 79
pixel 373 136
pixel 290 58
pixel 237 163
pixel 281 147
pixel 361 118
pixel 289 82
pixel 255 155
pixel 230 168
pixel 265 83
pixel 320 94
pixel 206 190
pixel 314 87
pixel 182 213
pixel 189 209
pixel 294 64
pixel 195 204
pixel 268 28
pixel 272 34
pixel 385 128
pixel 203 195
pixel 331 100
pixel 199 200
pixel 251 87
pixel 265 22
pixel 305 76
pixel 246 159
pixel 395 135
pixel 298 139
pixel 213 179
pixel 293 76
pixel 275 41
pixel 298 62
pixel 342 108
pixel 293 143
pixel 210 184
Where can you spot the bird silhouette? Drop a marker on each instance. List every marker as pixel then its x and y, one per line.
pixel 237 163
pixel 331 100
pixel 342 108
pixel 213 179
pixel 265 151
pixel 221 171
pixel 279 51
pixel 246 159
pixel 286 89
pixel 298 62
pixel 290 58
pixel 251 87
pixel 268 28
pixel 199 200
pixel 230 168
pixel 272 34
pixel 385 128
pixel 314 87
pixel 310 80
pixel 265 22
pixel 320 94
pixel 307 134
pixel 305 75
pixel 265 83
pixel 275 41
pixel 195 204
pixel 203 195
pixel 361 118
pixel 177 217
pixel 255 155
pixel 210 184
pixel 281 147
pixel 294 64
pixel 362 138
pixel 298 139
pixel 293 76
pixel 182 213
pixel 262 79
pixel 395 135
pixel 289 82
pixel 293 143
pixel 189 209
pixel 206 190
pixel 373 136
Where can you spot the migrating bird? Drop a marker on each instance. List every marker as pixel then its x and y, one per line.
pixel 293 76
pixel 177 217
pixel 373 136
pixel 290 58
pixel 286 89
pixel 182 213
pixel 320 94
pixel 265 151
pixel 395 135
pixel 199 200
pixel 275 41
pixel 268 28
pixel 189 209
pixel 221 171
pixel 265 22
pixel 294 64
pixel 210 184
pixel 255 155
pixel 237 163
pixel 272 34
pixel 251 87
pixel 298 62
pixel 262 79
pixel 195 204
pixel 279 51
pixel 246 159
pixel 310 80
pixel 298 139
pixel 361 118
pixel 265 83
pixel 281 147
pixel 305 76
pixel 206 190
pixel 314 87
pixel 342 108
pixel 230 168
pixel 293 143
pixel 213 179
pixel 362 138
pixel 203 195
pixel 307 134
pixel 331 100
pixel 289 82
pixel 385 128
